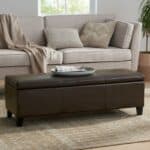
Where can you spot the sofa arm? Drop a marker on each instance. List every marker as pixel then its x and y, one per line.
pixel 136 45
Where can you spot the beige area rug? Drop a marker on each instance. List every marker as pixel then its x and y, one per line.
pixel 76 132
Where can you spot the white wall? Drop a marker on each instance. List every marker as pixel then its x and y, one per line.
pixel 123 9
pixel 19 7
pixel 127 10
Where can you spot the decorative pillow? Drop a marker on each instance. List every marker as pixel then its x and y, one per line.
pixel 97 34
pixel 59 38
pixel 122 35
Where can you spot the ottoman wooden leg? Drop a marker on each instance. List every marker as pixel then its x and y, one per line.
pixel 9 114
pixel 19 122
pixel 139 110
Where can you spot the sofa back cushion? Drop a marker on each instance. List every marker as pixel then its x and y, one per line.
pixel 74 21
pixel 33 29
pixel 122 35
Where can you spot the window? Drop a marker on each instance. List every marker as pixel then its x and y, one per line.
pixel 54 7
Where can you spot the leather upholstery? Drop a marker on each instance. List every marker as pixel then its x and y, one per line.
pixel 48 81
pixel 35 95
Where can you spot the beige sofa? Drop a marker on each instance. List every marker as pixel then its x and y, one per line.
pixel 17 62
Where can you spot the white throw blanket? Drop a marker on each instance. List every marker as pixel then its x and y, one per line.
pixel 12 37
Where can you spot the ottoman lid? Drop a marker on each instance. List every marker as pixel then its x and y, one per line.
pixel 49 81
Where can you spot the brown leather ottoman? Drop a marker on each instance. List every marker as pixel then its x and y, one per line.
pixel 36 95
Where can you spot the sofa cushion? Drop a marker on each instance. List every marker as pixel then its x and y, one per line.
pixel 122 35
pixel 59 38
pixel 97 34
pixel 20 58
pixel 33 29
pixel 82 55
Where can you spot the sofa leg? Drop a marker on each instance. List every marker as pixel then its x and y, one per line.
pixel 139 110
pixel 9 114
pixel 19 122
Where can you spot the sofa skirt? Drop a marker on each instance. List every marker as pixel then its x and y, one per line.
pixel 4 71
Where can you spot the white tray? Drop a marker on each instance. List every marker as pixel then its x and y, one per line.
pixel 88 71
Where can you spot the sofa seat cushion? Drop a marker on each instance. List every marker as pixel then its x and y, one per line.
pixel 86 54
pixel 13 58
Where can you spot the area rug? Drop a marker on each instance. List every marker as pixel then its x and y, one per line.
pixel 76 132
